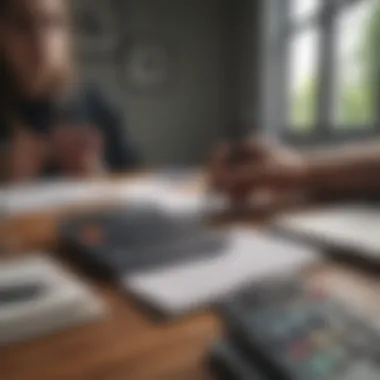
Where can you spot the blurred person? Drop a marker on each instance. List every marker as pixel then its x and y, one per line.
pixel 239 169
pixel 50 122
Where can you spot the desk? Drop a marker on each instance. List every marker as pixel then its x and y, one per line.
pixel 128 345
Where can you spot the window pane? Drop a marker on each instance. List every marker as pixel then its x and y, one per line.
pixel 303 80
pixel 356 57
pixel 301 9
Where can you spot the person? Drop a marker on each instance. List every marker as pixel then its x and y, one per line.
pixel 50 122
pixel 353 171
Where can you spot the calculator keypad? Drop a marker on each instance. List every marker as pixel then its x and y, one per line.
pixel 314 339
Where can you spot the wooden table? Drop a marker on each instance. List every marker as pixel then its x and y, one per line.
pixel 128 344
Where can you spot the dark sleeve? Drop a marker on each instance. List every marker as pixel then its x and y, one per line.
pixel 120 152
pixel 5 135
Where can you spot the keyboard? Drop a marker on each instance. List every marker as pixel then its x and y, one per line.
pixel 121 241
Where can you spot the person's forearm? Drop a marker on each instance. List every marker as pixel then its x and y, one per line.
pixel 342 171
pixel 15 169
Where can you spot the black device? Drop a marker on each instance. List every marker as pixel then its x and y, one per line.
pixel 290 332
pixel 228 362
pixel 18 293
pixel 120 241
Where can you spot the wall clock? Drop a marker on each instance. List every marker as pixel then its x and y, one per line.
pixel 147 66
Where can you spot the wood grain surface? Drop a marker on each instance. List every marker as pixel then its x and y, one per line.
pixel 129 344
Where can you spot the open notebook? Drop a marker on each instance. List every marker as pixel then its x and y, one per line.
pixel 249 257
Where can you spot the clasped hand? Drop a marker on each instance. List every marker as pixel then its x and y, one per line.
pixel 240 169
pixel 70 151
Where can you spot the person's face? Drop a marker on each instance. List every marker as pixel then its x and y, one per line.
pixel 34 37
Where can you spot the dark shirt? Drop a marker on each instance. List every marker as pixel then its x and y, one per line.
pixel 87 106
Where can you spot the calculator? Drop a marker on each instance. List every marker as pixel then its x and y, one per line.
pixel 289 331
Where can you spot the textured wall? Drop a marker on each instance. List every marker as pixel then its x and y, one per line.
pixel 180 123
pixel 215 92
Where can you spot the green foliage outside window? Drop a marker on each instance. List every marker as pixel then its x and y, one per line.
pixel 357 96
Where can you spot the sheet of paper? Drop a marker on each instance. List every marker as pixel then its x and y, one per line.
pixel 169 198
pixel 178 175
pixel 16 200
pixel 250 256
pixel 353 227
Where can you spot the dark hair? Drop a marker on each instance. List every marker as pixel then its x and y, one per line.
pixel 9 91
pixel 8 87
pixel 4 5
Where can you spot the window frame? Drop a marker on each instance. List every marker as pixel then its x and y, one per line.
pixel 323 131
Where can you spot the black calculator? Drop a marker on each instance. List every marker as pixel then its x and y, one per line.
pixel 290 332
pixel 228 362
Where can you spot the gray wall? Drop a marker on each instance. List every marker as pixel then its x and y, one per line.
pixel 212 93
pixel 178 124
pixel 243 36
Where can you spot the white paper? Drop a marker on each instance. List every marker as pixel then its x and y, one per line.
pixel 347 227
pixel 250 256
pixel 65 302
pixel 17 200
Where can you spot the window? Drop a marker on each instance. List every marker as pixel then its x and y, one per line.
pixel 354 93
pixel 302 89
pixel 300 9
pixel 326 63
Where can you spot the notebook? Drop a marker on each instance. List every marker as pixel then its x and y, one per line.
pixel 249 256
pixel 354 228
pixel 38 297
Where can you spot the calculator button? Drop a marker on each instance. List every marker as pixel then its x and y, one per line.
pixel 300 351
pixel 361 371
pixel 319 294
pixel 321 365
pixel 284 329
pixel 322 339
pixel 339 354
pixel 359 341
pixel 317 321
pixel 338 324
pixel 305 372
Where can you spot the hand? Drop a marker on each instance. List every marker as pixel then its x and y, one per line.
pixel 234 166
pixel 25 157
pixel 77 151
pixel 254 166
